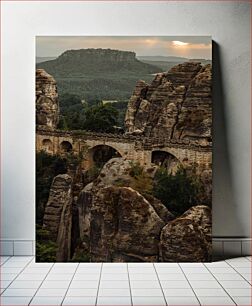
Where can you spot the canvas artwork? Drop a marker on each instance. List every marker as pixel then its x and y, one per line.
pixel 123 149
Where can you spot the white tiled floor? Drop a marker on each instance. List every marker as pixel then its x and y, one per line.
pixel 24 282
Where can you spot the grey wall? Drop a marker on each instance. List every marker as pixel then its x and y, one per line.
pixel 229 25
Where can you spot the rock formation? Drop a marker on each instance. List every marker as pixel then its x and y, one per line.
pixel 176 105
pixel 47 104
pixel 58 215
pixel 124 226
pixel 187 238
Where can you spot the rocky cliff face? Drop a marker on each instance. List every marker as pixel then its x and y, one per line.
pixel 188 238
pixel 47 104
pixel 176 105
pixel 58 215
pixel 124 226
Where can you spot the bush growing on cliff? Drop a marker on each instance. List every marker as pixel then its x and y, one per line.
pixel 45 248
pixel 178 192
pixel 47 167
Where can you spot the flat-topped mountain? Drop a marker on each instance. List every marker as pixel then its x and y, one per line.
pixel 98 74
pixel 94 61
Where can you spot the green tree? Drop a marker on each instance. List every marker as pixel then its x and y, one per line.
pixel 101 118
pixel 178 192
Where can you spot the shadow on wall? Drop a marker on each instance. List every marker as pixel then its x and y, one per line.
pixel 226 220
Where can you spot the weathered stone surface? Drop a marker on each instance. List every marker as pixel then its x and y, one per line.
pixel 176 105
pixel 187 238
pixel 124 226
pixel 202 216
pixel 84 204
pixel 160 209
pixel 58 215
pixel 47 104
pixel 115 171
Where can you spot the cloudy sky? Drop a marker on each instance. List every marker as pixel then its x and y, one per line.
pixel 184 46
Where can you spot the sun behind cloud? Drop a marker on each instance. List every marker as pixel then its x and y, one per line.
pixel 179 43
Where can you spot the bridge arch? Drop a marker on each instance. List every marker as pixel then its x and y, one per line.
pixel 66 147
pixel 165 159
pixel 47 145
pixel 99 154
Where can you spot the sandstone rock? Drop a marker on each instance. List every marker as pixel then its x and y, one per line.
pixel 187 238
pixel 124 226
pixel 115 171
pixel 202 216
pixel 176 105
pixel 58 215
pixel 160 209
pixel 84 204
pixel 47 104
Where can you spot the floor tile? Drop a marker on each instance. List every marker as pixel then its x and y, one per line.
pixel 189 300
pixel 15 300
pixel 63 270
pixel 117 276
pixel 19 292
pixel 21 258
pixel 210 292
pixel 204 284
pixel 220 270
pixel 4 259
pixel 25 284
pixel 120 269
pixel 229 276
pixel 143 300
pixel 7 276
pixel 5 283
pixel 243 270
pixel 114 292
pixel 239 291
pixel 58 277
pixel 146 292
pixel 241 264
pixel 14 264
pixel 178 292
pixel 234 284
pixel 29 276
pixel 96 264
pixel 220 300
pixel 144 284
pixel 30 270
pixel 51 292
pixel 169 270
pixel 79 301
pixel 40 265
pixel 220 264
pixel 200 276
pixel 86 277
pixel 104 300
pixel 171 276
pixel 55 284
pixel 174 284
pixel 114 284
pixel 236 259
pixel 243 300
pixel 88 270
pixel 85 284
pixel 82 292
pixel 247 277
pixel 195 270
pixel 9 270
pixel 137 270
pixel 47 300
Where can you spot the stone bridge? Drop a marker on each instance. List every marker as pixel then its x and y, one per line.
pixel 138 148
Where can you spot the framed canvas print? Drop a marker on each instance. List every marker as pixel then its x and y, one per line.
pixel 123 148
